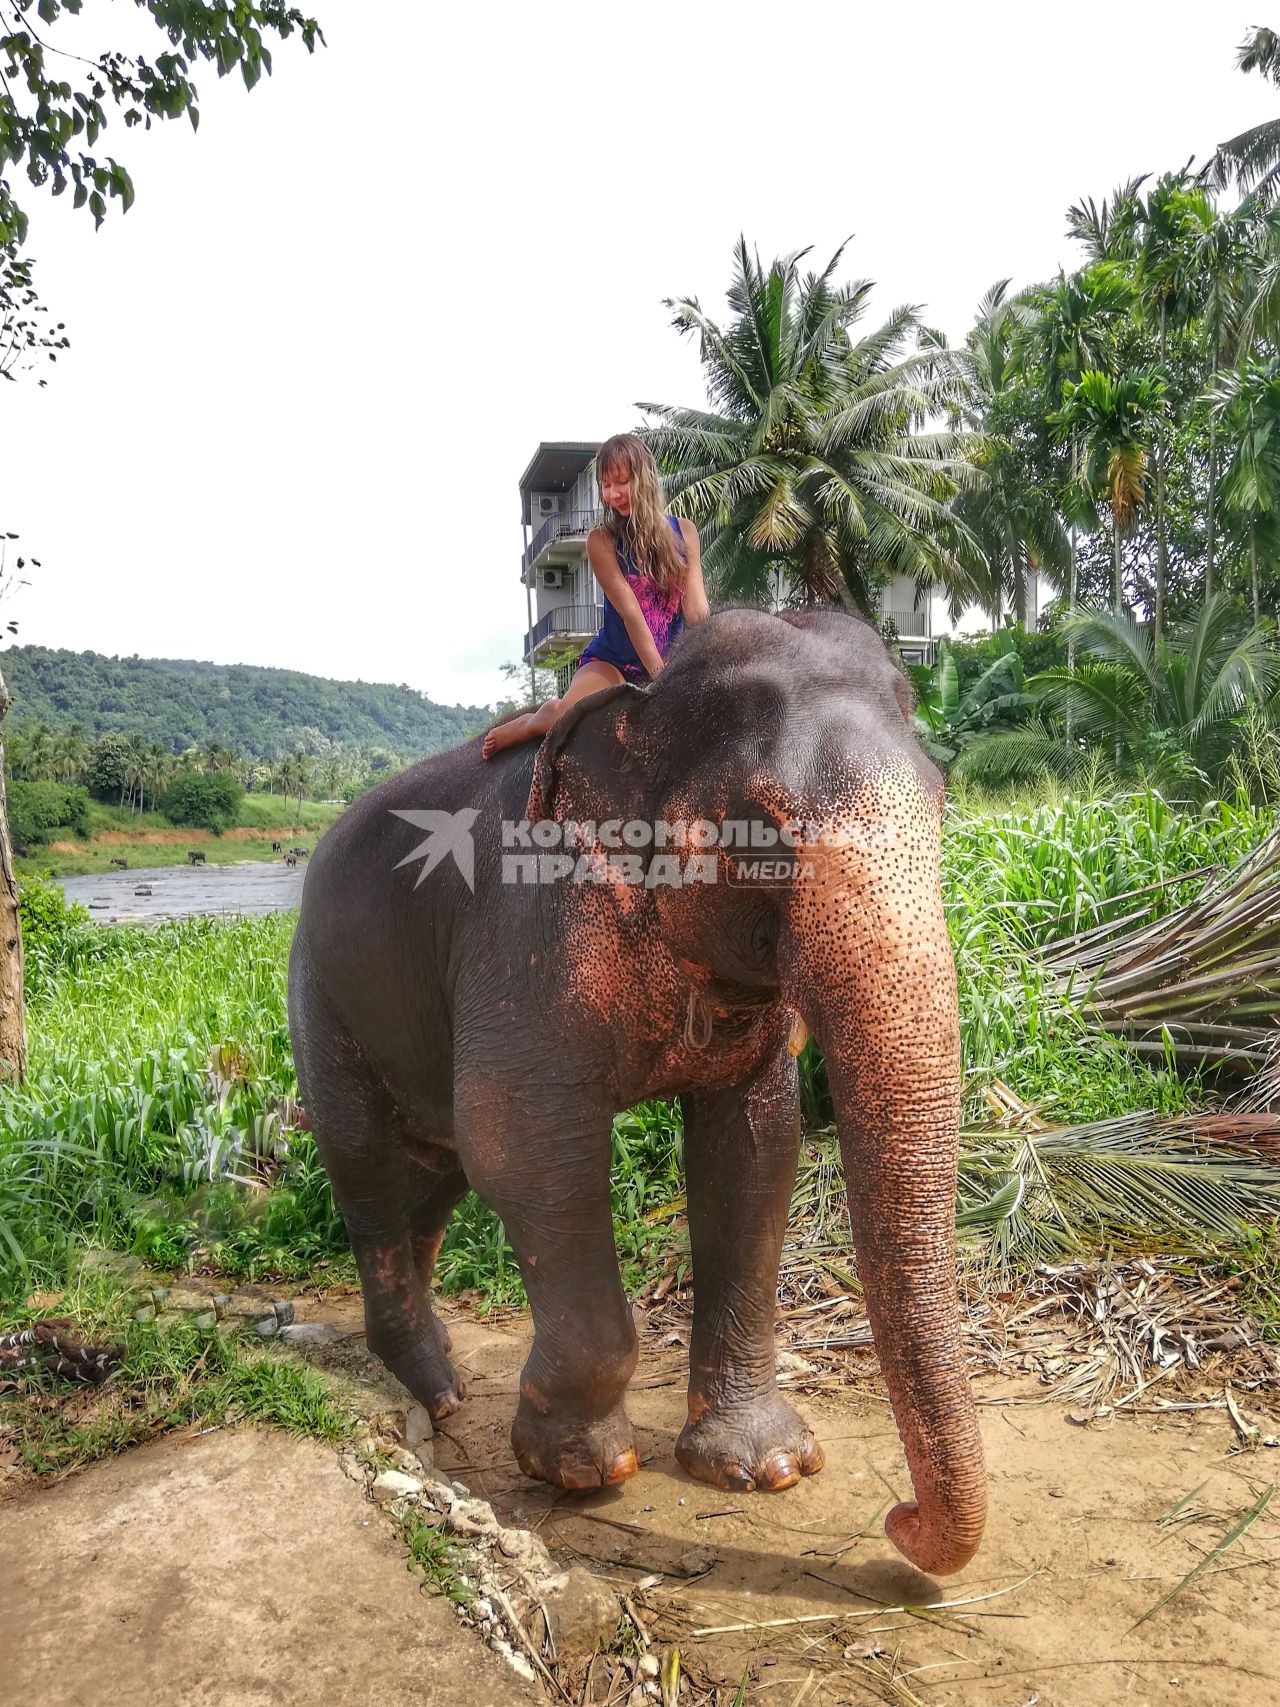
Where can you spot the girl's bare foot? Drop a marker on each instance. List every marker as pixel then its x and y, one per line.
pixel 507 734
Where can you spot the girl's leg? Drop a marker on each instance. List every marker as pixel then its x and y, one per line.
pixel 533 725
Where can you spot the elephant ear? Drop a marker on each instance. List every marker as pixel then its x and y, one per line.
pixel 596 729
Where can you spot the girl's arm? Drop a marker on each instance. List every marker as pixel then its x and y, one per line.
pixel 695 605
pixel 616 588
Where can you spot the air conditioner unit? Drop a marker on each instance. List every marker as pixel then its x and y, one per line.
pixel 548 506
pixel 553 577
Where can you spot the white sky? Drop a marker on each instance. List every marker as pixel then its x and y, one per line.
pixel 309 367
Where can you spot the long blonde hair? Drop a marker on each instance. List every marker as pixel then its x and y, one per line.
pixel 646 532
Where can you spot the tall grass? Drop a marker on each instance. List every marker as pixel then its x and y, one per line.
pixel 156 1112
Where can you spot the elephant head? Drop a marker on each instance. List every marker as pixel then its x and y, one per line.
pixel 800 721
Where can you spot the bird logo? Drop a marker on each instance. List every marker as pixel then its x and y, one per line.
pixel 447 833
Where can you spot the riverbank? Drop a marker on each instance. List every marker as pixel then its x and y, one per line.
pixel 148 840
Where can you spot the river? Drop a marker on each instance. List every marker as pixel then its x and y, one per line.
pixel 183 891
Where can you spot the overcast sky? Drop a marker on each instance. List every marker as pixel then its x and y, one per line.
pixel 310 365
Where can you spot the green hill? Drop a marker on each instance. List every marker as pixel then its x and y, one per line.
pixel 182 703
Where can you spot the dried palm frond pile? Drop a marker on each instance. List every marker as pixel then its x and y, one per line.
pixel 1202 982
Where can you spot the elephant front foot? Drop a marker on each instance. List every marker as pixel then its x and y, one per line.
pixel 763 1445
pixel 571 1453
pixel 425 1370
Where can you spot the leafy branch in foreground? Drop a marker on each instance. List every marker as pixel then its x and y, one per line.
pixel 48 122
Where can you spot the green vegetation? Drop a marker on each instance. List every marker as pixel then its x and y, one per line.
pixel 39 811
pixel 259 714
pixel 203 802
pixel 170 1375
pixel 158 1117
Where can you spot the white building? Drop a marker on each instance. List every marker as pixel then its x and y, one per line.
pixel 559 505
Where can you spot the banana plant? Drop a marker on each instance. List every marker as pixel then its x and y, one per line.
pixel 947 720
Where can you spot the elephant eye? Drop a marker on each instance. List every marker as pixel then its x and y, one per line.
pixel 762 936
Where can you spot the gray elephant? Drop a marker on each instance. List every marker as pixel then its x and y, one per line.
pixel 455 1024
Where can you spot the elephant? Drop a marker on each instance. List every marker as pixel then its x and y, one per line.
pixel 122 863
pixel 277 847
pixel 456 1025
pixel 195 857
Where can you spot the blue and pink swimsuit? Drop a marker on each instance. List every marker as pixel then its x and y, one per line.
pixel 661 610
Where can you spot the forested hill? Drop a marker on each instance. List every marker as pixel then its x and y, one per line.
pixel 182 703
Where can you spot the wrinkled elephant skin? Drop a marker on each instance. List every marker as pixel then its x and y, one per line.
pixel 454 1028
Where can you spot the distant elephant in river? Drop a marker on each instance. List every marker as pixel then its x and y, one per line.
pixel 453 1029
pixel 302 853
pixel 195 857
pixel 291 858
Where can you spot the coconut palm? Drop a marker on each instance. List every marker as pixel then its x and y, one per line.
pixel 1248 402
pixel 1166 706
pixel 813 456
pixel 1114 419
pixel 1252 159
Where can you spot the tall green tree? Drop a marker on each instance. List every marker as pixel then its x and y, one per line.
pixel 1010 511
pixel 1248 403
pixel 815 455
pixel 1116 420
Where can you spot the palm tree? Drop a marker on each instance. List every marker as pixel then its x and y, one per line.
pixel 1167 281
pixel 1248 402
pixel 1252 159
pixel 1221 256
pixel 1071 333
pixel 1108 232
pixel 1114 418
pixel 813 456
pixel 1011 516
pixel 1166 705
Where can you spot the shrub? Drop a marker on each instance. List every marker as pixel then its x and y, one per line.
pixel 109 766
pixel 39 809
pixel 52 929
pixel 203 802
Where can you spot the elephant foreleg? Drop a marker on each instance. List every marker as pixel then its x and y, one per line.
pixel 740 1148
pixel 545 1171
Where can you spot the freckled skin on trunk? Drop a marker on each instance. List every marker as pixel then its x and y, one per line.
pixel 453 1029
pixel 867 933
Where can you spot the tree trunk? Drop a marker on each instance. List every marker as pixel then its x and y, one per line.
pixel 1253 566
pixel 1071 611
pixel 1119 570
pixel 1020 585
pixel 1162 538
pixel 13 1023
pixel 1211 501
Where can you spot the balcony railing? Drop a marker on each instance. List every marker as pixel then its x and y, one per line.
pixel 914 623
pixel 573 524
pixel 566 620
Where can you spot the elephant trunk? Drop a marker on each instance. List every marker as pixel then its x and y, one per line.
pixel 869 966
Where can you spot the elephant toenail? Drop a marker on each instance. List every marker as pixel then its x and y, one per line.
pixel 781 1471
pixel 625 1464
pixel 738 1479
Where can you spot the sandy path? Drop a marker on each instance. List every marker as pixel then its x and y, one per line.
pixel 235 1569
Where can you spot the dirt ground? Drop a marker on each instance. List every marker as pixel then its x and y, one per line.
pixel 253 1564
pixel 230 1569
pixel 171 838
pixel 1074 1553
